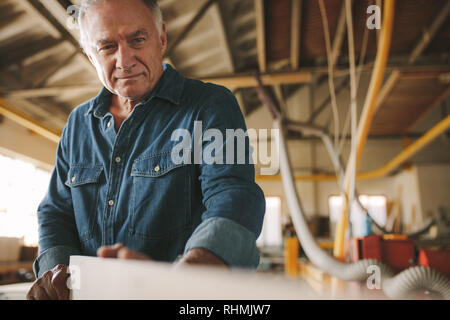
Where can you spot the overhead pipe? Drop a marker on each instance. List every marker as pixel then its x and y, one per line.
pixel 394 286
pixel 366 118
pixel 410 151
pixel 337 163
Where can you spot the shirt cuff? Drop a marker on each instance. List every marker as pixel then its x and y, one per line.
pixel 228 240
pixel 50 258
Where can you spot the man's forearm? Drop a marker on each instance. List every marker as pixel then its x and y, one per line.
pixel 201 256
pixel 51 257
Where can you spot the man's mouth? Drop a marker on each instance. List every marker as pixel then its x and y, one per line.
pixel 129 77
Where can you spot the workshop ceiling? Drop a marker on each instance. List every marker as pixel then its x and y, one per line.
pixel 44 73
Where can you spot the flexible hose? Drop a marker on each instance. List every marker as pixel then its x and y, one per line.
pixel 414 278
pixel 339 170
pixel 394 286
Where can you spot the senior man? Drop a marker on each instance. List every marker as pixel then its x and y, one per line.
pixel 116 190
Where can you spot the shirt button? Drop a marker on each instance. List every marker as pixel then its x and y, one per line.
pixel 108 124
pixel 73 178
pixel 157 168
pixel 118 160
pixel 111 203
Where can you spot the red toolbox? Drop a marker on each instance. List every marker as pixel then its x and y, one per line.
pixel 396 252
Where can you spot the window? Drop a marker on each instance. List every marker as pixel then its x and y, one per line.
pixel 271 230
pixel 375 204
pixel 22 187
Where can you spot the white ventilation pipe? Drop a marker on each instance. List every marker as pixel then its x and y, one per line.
pixel 394 286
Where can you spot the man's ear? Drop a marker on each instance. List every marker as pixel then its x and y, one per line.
pixel 163 37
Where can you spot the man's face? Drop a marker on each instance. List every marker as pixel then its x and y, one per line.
pixel 123 43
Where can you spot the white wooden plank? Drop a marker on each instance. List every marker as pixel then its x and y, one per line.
pixel 99 278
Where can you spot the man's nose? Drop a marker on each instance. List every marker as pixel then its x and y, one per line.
pixel 125 59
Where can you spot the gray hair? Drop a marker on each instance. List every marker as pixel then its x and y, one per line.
pixel 86 4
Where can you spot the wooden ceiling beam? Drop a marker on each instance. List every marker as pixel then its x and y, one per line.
pixel 60 12
pixel 421 45
pixel 189 27
pixel 47 15
pixel 50 91
pixel 268 79
pixel 42 78
pixel 441 98
pixel 27 50
pixel 305 76
pixel 222 35
pixel 430 33
pixel 296 31
pixel 27 121
pixel 261 35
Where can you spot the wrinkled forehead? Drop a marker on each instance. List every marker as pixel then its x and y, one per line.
pixel 112 19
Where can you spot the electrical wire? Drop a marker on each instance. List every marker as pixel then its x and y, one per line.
pixel 351 54
pixel 362 57
pixel 334 108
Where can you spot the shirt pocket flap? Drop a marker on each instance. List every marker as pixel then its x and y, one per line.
pixel 154 165
pixel 80 175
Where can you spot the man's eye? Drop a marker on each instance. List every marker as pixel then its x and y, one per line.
pixel 138 40
pixel 106 48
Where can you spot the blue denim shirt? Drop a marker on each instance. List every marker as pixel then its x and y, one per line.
pixel 109 187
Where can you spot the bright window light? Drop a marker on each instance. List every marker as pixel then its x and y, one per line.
pixel 22 188
pixel 375 204
pixel 271 231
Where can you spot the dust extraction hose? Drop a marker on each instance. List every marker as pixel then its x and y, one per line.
pixel 310 129
pixel 394 286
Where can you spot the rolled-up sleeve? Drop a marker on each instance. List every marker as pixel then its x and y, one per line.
pixel 50 258
pixel 234 203
pixel 230 241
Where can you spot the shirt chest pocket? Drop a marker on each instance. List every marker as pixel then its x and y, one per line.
pixel 161 196
pixel 84 183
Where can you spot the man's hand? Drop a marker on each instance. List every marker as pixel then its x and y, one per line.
pixel 119 251
pixel 200 256
pixel 51 286
pixel 197 256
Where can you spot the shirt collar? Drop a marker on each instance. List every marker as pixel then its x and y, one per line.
pixel 169 87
